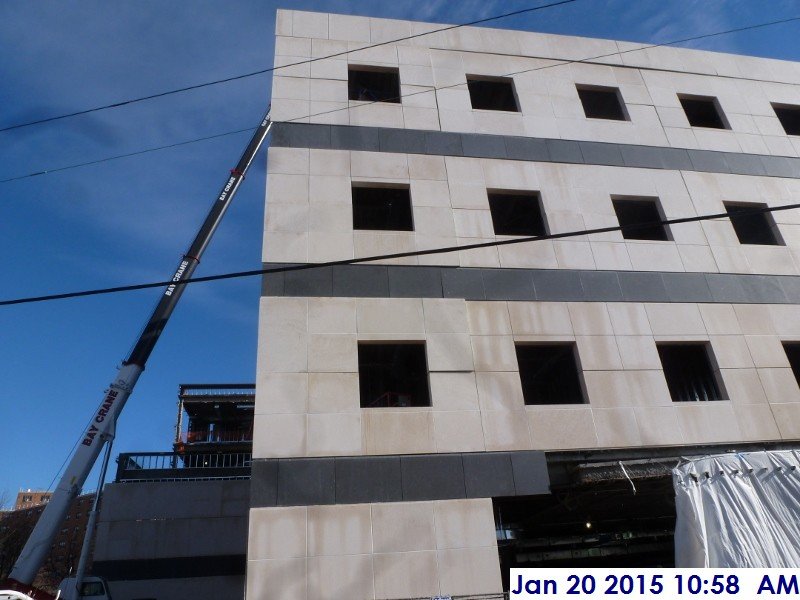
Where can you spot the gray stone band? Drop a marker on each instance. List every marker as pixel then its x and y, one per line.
pixel 180 567
pixel 443 143
pixel 558 285
pixel 416 477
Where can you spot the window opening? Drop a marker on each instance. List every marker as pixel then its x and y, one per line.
pixel 373 84
pixel 690 376
pixel 792 350
pixel 636 211
pixel 602 103
pixel 92 588
pixel 517 213
pixel 754 228
pixel 487 93
pixel 550 530
pixel 549 374
pixel 382 208
pixel 393 375
pixel 703 111
pixel 789 116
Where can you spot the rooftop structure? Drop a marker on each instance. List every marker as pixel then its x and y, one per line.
pixel 30 498
pixel 215 416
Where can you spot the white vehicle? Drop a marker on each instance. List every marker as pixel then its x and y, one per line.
pixel 12 595
pixel 95 588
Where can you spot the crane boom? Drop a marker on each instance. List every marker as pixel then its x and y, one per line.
pixel 101 428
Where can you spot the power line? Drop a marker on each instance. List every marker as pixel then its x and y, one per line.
pixel 353 261
pixel 434 89
pixel 271 69
pixel 129 154
pixel 561 63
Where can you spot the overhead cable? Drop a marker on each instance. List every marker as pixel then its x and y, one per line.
pixel 558 63
pixel 367 259
pixel 433 89
pixel 271 69
pixel 127 155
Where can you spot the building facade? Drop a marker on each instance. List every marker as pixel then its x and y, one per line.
pixel 30 498
pixel 411 411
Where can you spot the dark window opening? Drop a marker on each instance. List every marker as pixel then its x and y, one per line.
pixel 632 212
pixel 93 588
pixel 757 228
pixel 392 375
pixel 373 84
pixel 383 208
pixel 792 350
pixel 703 111
pixel 602 103
pixel 789 116
pixel 690 376
pixel 595 525
pixel 549 374
pixel 516 213
pixel 492 94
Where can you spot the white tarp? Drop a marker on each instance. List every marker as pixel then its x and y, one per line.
pixel 738 510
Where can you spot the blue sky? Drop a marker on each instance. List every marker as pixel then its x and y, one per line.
pixel 129 220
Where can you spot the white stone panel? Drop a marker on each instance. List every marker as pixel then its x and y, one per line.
pixel 390 432
pixel 458 431
pixel 449 352
pixel 390 315
pixel 554 428
pixel 309 24
pixel 334 434
pixel 349 28
pixel 454 391
pixel 505 430
pixel 445 315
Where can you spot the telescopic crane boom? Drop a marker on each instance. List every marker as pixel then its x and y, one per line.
pixel 101 428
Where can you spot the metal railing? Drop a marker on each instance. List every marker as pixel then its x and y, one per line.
pixel 174 466
pixel 198 437
pixel 194 390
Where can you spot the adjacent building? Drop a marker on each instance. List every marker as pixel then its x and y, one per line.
pixel 173 525
pixel 30 498
pixel 16 525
